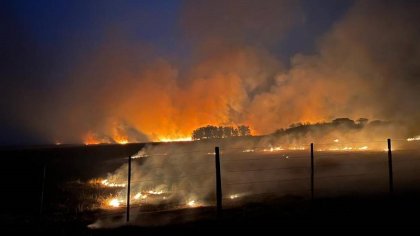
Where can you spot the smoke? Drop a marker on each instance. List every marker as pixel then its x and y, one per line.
pixel 367 65
pixel 129 83
pixel 169 177
pixel 250 22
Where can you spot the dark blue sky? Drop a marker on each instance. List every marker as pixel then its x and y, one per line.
pixel 43 41
pixel 72 27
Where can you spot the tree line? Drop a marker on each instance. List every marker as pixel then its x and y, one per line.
pixel 210 132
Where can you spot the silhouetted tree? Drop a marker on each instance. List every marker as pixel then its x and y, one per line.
pixel 244 130
pixel 344 122
pixel 209 132
pixel 362 122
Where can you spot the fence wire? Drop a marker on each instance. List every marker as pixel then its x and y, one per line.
pixel 247 167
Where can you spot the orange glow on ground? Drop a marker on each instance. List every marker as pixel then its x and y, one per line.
pixel 90 139
pixel 178 139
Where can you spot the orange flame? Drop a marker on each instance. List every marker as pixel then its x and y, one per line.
pixel 90 139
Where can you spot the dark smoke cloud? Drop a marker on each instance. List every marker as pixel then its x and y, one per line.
pixel 367 65
pixel 253 22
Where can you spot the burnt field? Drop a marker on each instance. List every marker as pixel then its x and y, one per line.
pixel 173 188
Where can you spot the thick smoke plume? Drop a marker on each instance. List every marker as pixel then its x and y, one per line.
pixel 367 65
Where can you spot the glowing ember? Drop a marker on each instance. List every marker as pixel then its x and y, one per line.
pixel 417 138
pixel 192 203
pixel 114 202
pixel 347 148
pixel 139 156
pixel 336 140
pixel 113 185
pixel 297 148
pixel 96 181
pixel 234 196
pixel 248 150
pixel 155 192
pixel 140 196
pixel 237 195
pixel 273 149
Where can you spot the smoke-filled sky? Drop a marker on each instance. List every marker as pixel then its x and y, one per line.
pixel 152 70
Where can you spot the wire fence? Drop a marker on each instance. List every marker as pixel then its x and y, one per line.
pixel 168 180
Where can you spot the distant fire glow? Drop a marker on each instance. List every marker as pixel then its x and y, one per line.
pixel 248 150
pixel 93 139
pixel 417 138
pixel 347 149
pixel 273 149
pixel 90 139
pixel 122 141
pixel 179 139
pixel 297 148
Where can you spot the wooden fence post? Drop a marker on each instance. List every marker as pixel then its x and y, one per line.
pixel 391 176
pixel 312 172
pixel 128 188
pixel 44 171
pixel 218 182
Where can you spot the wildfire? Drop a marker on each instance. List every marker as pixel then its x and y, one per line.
pixel 178 139
pixel 106 182
pixel 248 150
pixel 155 192
pixel 237 195
pixel 90 139
pixel 192 203
pixel 273 149
pixel 297 148
pixel 234 196
pixel 140 196
pixel 417 138
pixel 114 202
pixel 122 141
pixel 345 149
pixel 117 136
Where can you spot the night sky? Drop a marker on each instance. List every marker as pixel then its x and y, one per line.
pixel 52 52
